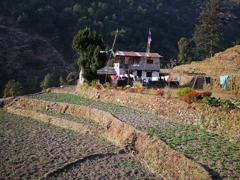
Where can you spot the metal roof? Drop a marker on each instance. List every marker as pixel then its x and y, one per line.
pixel 108 70
pixel 137 54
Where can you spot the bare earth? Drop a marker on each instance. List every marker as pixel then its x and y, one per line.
pixel 33 150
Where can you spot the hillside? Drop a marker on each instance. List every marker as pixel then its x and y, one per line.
pixel 60 20
pixel 222 63
pixel 40 32
pixel 27 59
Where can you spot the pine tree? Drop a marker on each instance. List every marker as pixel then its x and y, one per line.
pixel 207 35
pixel 89 44
pixel 184 51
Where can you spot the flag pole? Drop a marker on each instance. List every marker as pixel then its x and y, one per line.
pixel 111 54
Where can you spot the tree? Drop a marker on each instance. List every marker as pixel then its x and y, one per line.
pixel 207 35
pixel 46 83
pixel 61 81
pixel 70 78
pixel 89 44
pixel 13 88
pixel 184 51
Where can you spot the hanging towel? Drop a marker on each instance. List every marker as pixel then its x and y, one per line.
pixel 223 81
pixel 208 80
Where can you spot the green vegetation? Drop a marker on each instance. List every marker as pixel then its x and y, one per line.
pixel 214 151
pixel 46 83
pixel 208 32
pixel 70 78
pixel 107 85
pixel 184 91
pixel 217 102
pixel 184 51
pixel 13 89
pixel 88 44
pixel 207 148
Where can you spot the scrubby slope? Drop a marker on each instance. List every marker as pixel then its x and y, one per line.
pixel 222 63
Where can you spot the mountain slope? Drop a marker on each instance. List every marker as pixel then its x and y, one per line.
pixel 27 59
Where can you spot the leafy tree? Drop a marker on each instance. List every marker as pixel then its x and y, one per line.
pixel 46 83
pixel 13 88
pixel 70 78
pixel 207 35
pixel 184 51
pixel 89 44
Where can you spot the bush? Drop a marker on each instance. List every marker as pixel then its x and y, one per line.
pixel 212 101
pixel 46 83
pixel 184 91
pixel 13 88
pixel 159 92
pixel 192 97
pixel 61 81
pixel 217 102
pixel 93 83
pixel 227 105
pixel 70 78
pixel 84 86
pixel 107 85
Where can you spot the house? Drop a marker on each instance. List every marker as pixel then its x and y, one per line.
pixel 139 64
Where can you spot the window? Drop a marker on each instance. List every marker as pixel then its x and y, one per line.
pixel 149 61
pixel 136 62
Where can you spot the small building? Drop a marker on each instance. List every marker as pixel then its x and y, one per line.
pixel 107 74
pixel 138 64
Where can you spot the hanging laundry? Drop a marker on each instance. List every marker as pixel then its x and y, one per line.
pixel 178 79
pixel 208 80
pixel 223 81
pixel 166 78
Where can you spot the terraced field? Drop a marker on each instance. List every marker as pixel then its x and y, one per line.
pixel 30 149
pixel 217 154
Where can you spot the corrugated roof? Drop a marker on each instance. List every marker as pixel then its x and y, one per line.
pixel 137 54
pixel 108 70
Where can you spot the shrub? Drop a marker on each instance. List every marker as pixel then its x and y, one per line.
pixel 107 85
pixel 70 78
pixel 212 101
pixel 93 83
pixel 217 102
pixel 184 91
pixel 13 88
pixel 84 86
pixel 227 105
pixel 192 97
pixel 159 92
pixel 61 81
pixel 46 83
